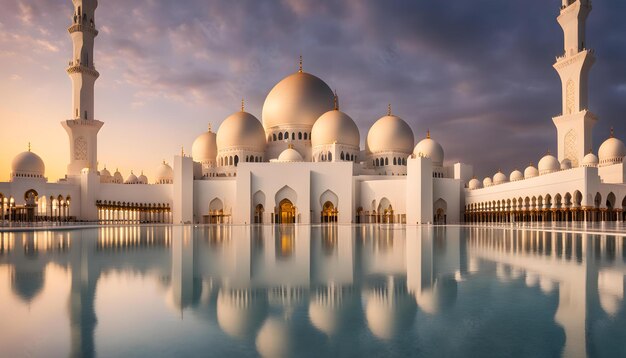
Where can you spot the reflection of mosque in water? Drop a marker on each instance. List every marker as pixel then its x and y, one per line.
pixel 253 282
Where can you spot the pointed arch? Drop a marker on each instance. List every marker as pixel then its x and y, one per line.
pixel 329 196
pixel 286 192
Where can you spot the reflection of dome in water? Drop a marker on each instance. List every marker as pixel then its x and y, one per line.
pixel 240 313
pixel 275 339
pixel 27 285
pixel 531 279
pixel 389 310
pixel 442 296
pixel 331 309
pixel 546 285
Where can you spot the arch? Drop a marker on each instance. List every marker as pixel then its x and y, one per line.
pixel 293 135
pixel 395 161
pixel 286 136
pixel 300 135
pixel 258 214
pixel 578 198
pixel 597 201
pixel 386 161
pixel 236 160
pixel 216 204
pixel 440 209
pixel 610 201
pixel 385 211
pixel 567 199
pixel 305 136
pixel 330 156
pixel 377 162
pixel 31 196
pixel 280 136
pixel 286 212
pixel 274 136
pixel 286 192
pixel 329 212
pixel 329 196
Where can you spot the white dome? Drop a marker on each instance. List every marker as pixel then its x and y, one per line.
pixel 487 182
pixel 240 313
pixel 566 164
pixel 117 177
pixel 530 172
pixel 142 179
pixel 516 175
pixel 335 127
pixel 474 184
pixel 390 134
pixel 499 178
pixel 105 173
pixel 590 160
pixel 549 164
pixel 28 164
pixel 204 148
pixel 430 148
pixel 290 155
pixel 132 179
pixel 241 130
pixel 297 100
pixel 164 174
pixel 611 151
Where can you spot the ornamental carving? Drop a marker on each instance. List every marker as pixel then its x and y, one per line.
pixel 570 148
pixel 570 97
pixel 80 149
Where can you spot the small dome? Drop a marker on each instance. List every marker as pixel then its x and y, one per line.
pixel 142 179
pixel 241 130
pixel 474 184
pixel 297 100
pixel 164 174
pixel 516 175
pixel 487 182
pixel 499 178
pixel 530 172
pixel 28 164
pixel 117 177
pixel 335 127
pixel 105 173
pixel 204 148
pixel 566 164
pixel 390 134
pixel 549 164
pixel 132 179
pixel 240 313
pixel 290 155
pixel 430 148
pixel 590 160
pixel 612 151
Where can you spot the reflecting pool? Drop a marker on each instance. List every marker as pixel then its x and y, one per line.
pixel 311 291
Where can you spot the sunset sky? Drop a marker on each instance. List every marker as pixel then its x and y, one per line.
pixel 477 73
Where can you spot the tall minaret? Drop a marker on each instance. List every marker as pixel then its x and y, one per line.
pixel 83 128
pixel 575 124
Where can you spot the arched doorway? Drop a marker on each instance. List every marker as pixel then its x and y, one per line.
pixel 258 214
pixel 286 212
pixel 329 213
pixel 440 209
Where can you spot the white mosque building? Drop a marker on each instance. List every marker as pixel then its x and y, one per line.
pixel 303 163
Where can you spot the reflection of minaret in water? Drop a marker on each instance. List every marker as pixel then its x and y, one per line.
pixel 184 290
pixel 82 295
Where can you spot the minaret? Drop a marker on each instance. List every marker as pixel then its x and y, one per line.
pixel 575 124
pixel 83 128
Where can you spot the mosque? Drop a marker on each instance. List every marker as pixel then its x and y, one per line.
pixel 303 162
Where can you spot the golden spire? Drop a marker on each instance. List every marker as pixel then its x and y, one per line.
pixel 611 136
pixel 243 105
pixel 300 67
pixel 428 134
pixel 336 101
pixel 290 146
pixel 29 146
pixel 163 161
pixel 389 109
pixel 548 152
pixel 209 126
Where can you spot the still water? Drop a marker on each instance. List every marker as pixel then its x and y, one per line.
pixel 311 291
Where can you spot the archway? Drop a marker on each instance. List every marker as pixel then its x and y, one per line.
pixel 258 214
pixel 385 211
pixel 329 213
pixel 286 212
pixel 440 211
pixel 258 207
pixel 216 212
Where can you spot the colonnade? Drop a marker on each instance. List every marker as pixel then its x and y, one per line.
pixel 110 212
pixel 35 209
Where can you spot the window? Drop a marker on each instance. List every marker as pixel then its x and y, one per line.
pixel 236 160
pixel 386 161
pixel 300 135
pixel 293 136
pixel 274 136
pixel 342 156
pixel 395 161
pixel 280 136
pixel 304 136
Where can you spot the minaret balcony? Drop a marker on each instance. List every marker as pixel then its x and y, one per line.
pixel 76 67
pixel 82 28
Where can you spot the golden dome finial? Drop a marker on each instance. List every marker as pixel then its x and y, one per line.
pixel 389 109
pixel 428 134
pixel 210 126
pixel 336 101
pixel 29 146
pixel 290 146
pixel 611 136
pixel 163 161
pixel 548 152
pixel 300 66
pixel 243 105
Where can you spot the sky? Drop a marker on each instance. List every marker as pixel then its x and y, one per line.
pixel 477 73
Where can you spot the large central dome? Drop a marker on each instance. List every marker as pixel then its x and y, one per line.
pixel 298 100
